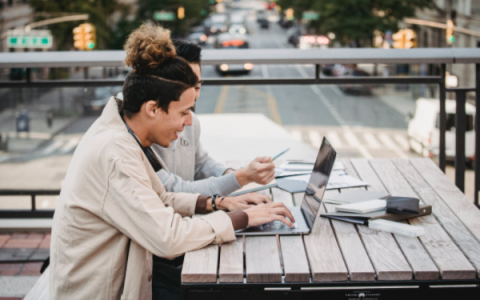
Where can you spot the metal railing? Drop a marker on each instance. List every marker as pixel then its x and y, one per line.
pixel 438 56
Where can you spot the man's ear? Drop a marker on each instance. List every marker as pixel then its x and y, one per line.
pixel 151 108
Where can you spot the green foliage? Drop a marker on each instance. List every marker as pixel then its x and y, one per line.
pixel 193 13
pixel 99 11
pixel 356 20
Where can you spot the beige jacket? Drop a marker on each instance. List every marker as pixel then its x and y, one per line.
pixel 113 213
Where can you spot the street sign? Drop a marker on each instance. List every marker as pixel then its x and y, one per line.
pixel 164 15
pixel 310 15
pixel 20 38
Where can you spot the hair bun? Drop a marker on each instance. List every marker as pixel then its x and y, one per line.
pixel 148 47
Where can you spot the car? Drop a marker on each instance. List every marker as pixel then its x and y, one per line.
pixel 218 24
pixel 424 132
pixel 98 100
pixel 263 23
pixel 340 70
pixel 228 41
pixel 197 35
pixel 237 28
pixel 293 35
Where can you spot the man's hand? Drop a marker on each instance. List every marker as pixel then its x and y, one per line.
pixel 260 170
pixel 265 213
pixel 243 202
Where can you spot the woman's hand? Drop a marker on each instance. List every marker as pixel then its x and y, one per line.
pixel 243 202
pixel 265 213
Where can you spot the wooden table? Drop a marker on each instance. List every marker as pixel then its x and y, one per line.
pixel 345 261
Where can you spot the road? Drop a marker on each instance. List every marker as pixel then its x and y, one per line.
pixel 358 126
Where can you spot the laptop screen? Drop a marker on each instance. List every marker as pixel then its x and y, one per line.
pixel 318 181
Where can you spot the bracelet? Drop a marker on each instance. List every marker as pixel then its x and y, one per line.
pixel 213 202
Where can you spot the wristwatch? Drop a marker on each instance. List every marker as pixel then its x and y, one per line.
pixel 214 206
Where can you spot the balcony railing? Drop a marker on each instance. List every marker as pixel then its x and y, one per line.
pixel 437 56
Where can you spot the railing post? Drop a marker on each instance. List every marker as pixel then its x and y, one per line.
pixel 477 134
pixel 443 119
pixel 33 203
pixel 318 68
pixel 460 128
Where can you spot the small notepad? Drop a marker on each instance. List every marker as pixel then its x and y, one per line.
pixel 363 207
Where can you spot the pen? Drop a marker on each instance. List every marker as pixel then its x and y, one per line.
pixel 279 154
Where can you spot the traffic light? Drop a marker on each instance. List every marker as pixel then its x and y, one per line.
pixel 450 37
pixel 405 39
pixel 181 13
pixel 90 36
pixel 78 38
pixel 84 37
pixel 289 14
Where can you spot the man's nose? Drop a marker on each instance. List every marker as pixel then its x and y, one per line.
pixel 188 120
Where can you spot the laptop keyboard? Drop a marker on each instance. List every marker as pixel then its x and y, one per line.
pixel 276 225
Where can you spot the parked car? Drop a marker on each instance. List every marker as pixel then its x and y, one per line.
pixel 228 41
pixel 424 132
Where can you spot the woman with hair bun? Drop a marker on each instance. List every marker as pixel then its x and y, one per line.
pixel 113 212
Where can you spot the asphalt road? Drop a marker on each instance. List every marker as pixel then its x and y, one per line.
pixel 358 126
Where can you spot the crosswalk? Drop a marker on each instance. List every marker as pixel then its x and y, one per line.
pixel 368 142
pixel 60 145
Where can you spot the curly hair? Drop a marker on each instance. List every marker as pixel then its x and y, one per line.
pixel 148 47
pixel 158 73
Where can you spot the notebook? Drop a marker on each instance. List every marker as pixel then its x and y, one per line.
pixel 363 207
pixel 254 187
pixel 382 214
pixel 353 196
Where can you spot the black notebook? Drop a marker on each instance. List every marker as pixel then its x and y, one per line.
pixel 364 218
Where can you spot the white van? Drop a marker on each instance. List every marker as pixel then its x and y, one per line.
pixel 423 129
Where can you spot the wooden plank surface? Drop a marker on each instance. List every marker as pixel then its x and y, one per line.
pixel 383 250
pixel 294 259
pixel 420 261
pixel 324 255
pixel 282 196
pixel 463 208
pixel 444 215
pixel 39 290
pixel 262 259
pixel 422 264
pixel 449 259
pixel 231 261
pixel 356 258
pixel 201 265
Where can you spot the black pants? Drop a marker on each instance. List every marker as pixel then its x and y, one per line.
pixel 166 278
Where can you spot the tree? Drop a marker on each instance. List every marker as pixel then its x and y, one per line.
pixel 356 20
pixel 100 15
pixel 193 13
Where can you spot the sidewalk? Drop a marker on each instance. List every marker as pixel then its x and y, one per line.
pixel 17 279
pixel 39 130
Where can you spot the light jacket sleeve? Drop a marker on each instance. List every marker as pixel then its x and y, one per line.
pixel 147 217
pixel 222 185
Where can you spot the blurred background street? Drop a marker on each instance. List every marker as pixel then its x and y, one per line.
pixel 369 121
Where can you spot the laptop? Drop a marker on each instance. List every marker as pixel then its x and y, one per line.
pixel 307 213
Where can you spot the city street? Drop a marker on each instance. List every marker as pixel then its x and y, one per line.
pixel 359 126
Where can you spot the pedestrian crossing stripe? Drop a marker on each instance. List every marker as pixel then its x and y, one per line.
pixel 354 140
